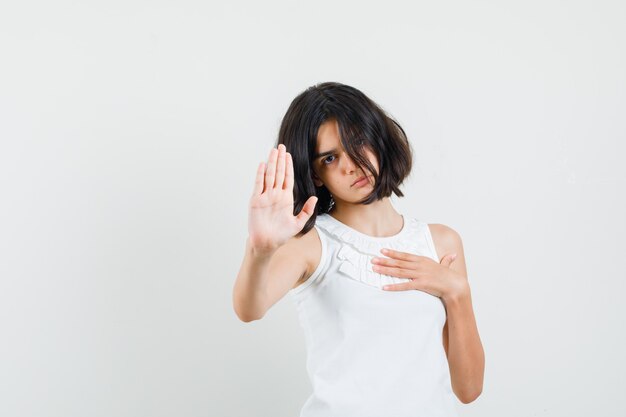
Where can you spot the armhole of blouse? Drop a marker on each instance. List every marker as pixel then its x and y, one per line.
pixel 297 291
pixel 431 242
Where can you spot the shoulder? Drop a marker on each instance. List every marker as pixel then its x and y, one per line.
pixel 446 239
pixel 444 233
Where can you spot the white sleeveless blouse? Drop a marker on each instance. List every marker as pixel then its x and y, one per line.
pixel 371 352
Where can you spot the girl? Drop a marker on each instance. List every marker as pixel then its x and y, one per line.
pixel 389 326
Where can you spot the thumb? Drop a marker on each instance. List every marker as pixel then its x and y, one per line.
pixel 448 259
pixel 307 211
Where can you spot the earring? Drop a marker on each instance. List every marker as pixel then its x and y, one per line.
pixel 332 202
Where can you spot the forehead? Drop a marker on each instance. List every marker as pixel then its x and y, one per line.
pixel 328 136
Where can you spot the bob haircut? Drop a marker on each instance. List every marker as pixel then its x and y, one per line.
pixel 360 121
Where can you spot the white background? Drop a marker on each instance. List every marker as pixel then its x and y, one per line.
pixel 130 135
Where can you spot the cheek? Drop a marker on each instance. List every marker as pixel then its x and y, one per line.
pixel 332 183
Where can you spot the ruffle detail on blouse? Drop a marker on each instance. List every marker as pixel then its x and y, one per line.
pixel 356 253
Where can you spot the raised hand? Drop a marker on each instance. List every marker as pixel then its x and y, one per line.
pixel 271 222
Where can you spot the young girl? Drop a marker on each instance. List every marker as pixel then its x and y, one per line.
pixel 389 326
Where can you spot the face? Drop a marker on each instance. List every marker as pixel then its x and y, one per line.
pixel 336 170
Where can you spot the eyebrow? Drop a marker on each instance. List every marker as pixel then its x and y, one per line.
pixel 319 155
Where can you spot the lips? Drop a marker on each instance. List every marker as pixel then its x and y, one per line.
pixel 359 179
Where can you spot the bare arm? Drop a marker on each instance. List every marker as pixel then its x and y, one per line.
pixel 272 260
pixel 250 289
pixel 466 357
pixel 265 277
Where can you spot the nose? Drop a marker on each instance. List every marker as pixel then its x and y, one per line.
pixel 348 164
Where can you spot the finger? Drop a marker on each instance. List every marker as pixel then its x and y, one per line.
pixel 448 259
pixel 400 255
pixel 400 287
pixel 288 172
pixel 394 262
pixel 307 211
pixel 395 272
pixel 397 254
pixel 258 182
pixel 280 167
pixel 271 169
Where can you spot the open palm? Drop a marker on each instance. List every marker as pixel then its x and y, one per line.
pixel 270 219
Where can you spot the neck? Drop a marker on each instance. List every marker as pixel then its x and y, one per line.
pixel 378 219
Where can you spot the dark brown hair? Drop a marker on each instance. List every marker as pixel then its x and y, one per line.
pixel 359 119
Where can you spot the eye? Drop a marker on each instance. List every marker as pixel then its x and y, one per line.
pixel 325 160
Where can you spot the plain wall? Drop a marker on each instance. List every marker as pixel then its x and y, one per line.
pixel 130 133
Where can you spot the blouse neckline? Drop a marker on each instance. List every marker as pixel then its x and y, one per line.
pixel 400 234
